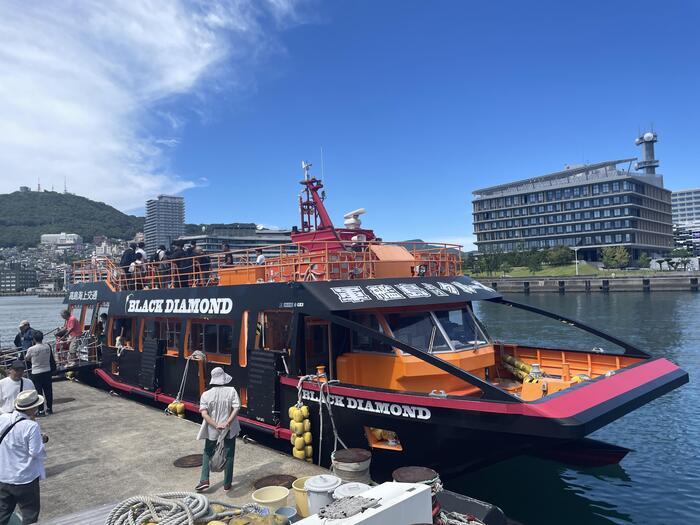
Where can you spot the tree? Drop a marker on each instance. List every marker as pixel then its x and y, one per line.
pixel 505 268
pixel 490 260
pixel 615 256
pixel 534 263
pixel 559 256
pixel 683 255
pixel 644 260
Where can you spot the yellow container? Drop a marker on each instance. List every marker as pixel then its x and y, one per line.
pixel 301 496
pixel 271 497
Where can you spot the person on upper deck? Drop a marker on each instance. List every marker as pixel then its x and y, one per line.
pixel 228 256
pixel 184 266
pixel 136 269
pixel 219 408
pixel 128 256
pixel 39 356
pixel 141 248
pixel 25 337
pixel 12 385
pixel 260 259
pixel 204 262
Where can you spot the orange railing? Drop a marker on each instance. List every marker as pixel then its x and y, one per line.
pixel 283 263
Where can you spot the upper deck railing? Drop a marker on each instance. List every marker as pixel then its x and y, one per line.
pixel 329 260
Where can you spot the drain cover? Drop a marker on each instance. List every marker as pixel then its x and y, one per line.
pixel 193 460
pixel 61 400
pixel 275 480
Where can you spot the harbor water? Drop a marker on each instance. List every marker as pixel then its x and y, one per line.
pixel 655 484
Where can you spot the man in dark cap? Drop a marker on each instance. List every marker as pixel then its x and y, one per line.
pixel 12 385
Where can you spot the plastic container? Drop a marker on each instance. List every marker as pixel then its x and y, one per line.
pixel 320 489
pixel 350 489
pixel 288 512
pixel 301 497
pixel 271 497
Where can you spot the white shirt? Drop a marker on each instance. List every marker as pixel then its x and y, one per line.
pixel 40 357
pixel 142 252
pixel 9 389
pixel 219 401
pixel 22 451
pixel 260 259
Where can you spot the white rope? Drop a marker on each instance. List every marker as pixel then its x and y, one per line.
pixel 322 399
pixel 172 508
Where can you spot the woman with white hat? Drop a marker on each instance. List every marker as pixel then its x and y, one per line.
pixel 21 458
pixel 219 408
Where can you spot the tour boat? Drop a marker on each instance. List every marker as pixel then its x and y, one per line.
pixel 378 339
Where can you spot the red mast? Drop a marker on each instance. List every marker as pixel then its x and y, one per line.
pixel 316 224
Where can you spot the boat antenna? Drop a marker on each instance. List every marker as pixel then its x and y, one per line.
pixel 323 173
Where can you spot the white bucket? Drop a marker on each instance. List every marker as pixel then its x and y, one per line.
pixel 320 489
pixel 272 497
pixel 350 489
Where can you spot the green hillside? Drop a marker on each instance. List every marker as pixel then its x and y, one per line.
pixel 24 216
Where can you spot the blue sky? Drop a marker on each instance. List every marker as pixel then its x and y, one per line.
pixel 414 103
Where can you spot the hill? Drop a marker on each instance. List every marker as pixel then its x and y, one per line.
pixel 24 216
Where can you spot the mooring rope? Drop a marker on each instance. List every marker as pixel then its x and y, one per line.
pixel 173 508
pixel 195 356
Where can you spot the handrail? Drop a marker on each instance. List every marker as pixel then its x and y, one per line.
pixel 299 261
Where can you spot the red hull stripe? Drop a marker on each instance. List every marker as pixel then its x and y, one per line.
pixel 567 404
pixel 282 433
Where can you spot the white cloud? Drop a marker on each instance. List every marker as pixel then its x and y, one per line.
pixel 84 84
pixel 466 241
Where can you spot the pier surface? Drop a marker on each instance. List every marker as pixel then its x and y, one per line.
pixel 104 449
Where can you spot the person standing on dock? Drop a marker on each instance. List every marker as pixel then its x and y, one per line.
pixel 39 356
pixel 21 459
pixel 25 337
pixel 12 385
pixel 72 332
pixel 219 408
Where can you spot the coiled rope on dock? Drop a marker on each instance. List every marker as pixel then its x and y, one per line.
pixel 171 508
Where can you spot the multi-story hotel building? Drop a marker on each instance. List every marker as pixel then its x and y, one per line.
pixel 685 205
pixel 584 207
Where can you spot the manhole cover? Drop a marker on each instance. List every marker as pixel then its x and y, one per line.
pixel 275 480
pixel 62 400
pixel 414 474
pixel 193 460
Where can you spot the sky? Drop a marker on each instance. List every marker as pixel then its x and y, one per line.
pixel 414 104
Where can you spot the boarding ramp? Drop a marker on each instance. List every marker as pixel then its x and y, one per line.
pixel 85 352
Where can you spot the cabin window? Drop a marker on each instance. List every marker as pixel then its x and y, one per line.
pixel 364 343
pixel 125 328
pixel 459 328
pixel 419 330
pixel 168 330
pixel 76 311
pixel 88 311
pixel 243 341
pixel 214 339
pixel 274 330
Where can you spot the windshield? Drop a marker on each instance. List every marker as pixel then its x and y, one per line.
pixel 459 328
pixel 440 331
pixel 419 330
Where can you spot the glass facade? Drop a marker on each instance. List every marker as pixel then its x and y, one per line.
pixel 686 207
pixel 618 208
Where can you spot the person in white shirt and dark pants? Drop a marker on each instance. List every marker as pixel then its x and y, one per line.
pixel 219 407
pixel 39 356
pixel 21 459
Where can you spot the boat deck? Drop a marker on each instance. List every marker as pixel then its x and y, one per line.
pixel 104 449
pixel 300 261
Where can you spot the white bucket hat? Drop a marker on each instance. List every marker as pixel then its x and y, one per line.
pixel 23 322
pixel 28 399
pixel 219 377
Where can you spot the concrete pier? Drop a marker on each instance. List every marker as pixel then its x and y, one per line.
pixel 103 449
pixel 587 284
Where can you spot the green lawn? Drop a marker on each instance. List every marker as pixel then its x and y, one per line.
pixel 568 271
